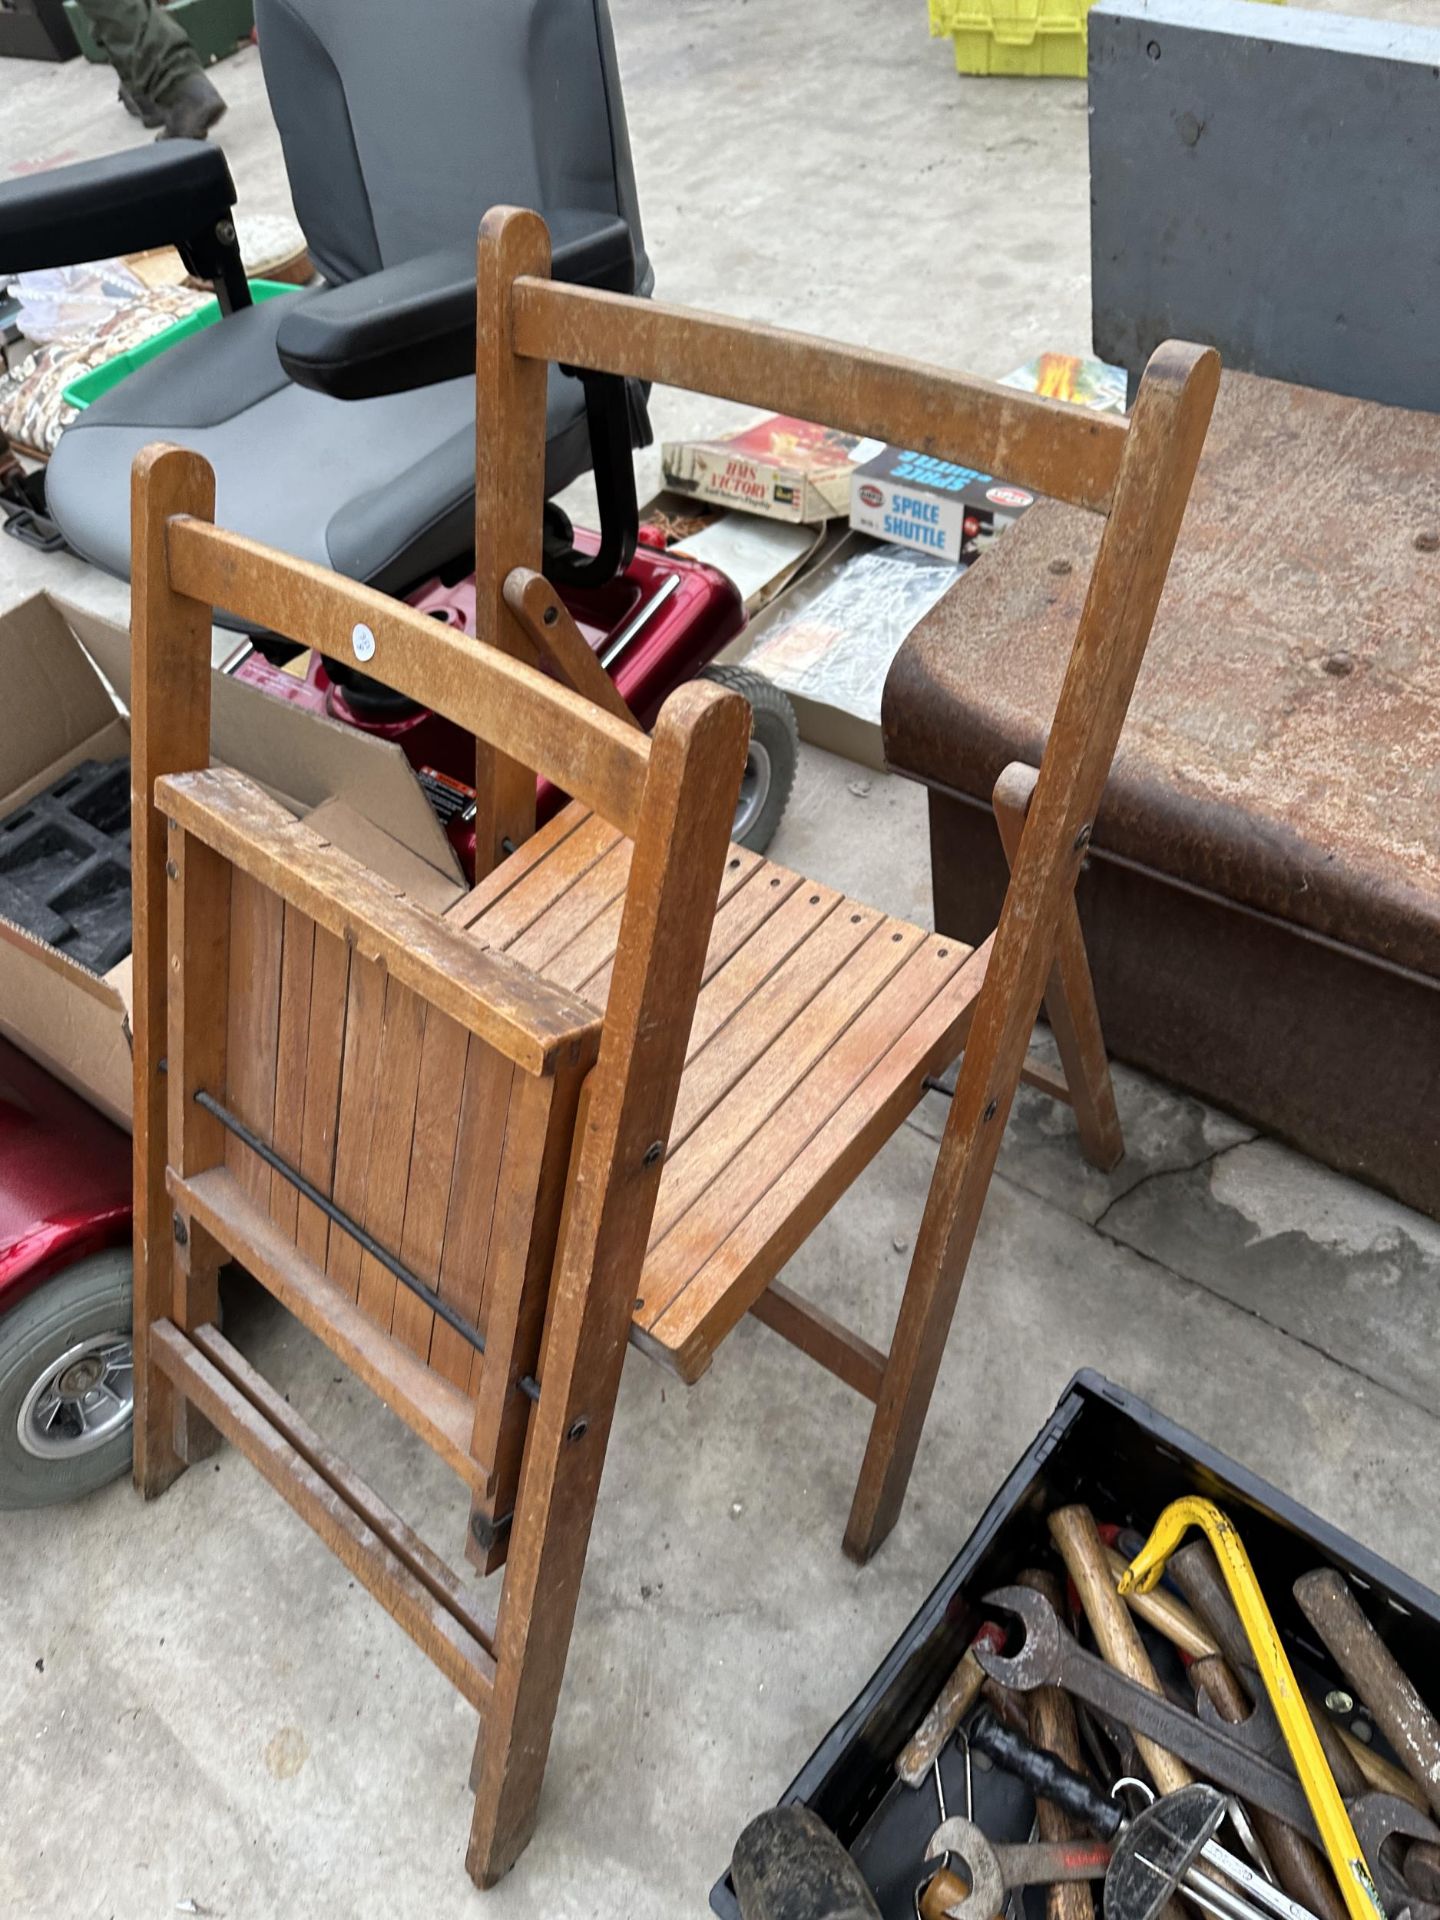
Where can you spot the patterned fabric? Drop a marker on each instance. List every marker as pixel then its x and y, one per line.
pixel 33 411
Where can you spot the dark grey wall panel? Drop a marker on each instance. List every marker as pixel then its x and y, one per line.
pixel 1267 181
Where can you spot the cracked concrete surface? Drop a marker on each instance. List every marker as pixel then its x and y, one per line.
pixel 196 1704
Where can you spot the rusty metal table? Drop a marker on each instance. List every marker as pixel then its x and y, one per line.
pixel 1262 904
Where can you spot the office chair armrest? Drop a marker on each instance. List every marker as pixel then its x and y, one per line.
pixel 174 193
pixel 413 325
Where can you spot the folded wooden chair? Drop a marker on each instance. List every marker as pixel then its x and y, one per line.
pixel 612 1093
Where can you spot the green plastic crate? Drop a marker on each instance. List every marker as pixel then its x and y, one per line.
pixel 215 27
pixel 1047 37
pixel 85 390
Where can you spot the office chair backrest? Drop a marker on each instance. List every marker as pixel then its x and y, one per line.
pixel 402 124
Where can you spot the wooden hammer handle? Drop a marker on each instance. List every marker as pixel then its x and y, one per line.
pixel 952 1703
pixel 1081 1548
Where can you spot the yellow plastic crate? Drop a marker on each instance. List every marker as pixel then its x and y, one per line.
pixel 1018 36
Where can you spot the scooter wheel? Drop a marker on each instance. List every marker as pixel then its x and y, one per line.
pixel 66 1384
pixel 774 755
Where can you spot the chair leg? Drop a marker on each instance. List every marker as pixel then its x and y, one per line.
pixel 554 1509
pixel 156 1463
pixel 932 1291
pixel 957 1195
pixel 1069 996
pixel 198 1260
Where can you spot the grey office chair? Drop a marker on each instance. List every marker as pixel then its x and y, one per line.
pixel 340 420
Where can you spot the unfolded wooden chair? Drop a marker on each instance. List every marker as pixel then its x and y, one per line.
pixel 609 1096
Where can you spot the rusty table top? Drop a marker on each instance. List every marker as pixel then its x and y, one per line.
pixel 1283 745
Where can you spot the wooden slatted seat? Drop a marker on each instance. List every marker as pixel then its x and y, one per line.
pixel 817 1023
pixel 636 1064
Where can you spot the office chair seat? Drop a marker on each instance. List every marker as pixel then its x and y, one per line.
pixel 382 490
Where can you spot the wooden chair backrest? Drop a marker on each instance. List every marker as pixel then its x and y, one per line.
pixel 431 1095
pixel 1137 473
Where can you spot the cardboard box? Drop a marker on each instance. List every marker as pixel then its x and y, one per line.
pixel 829 639
pixel 932 505
pixel 783 468
pixel 55 663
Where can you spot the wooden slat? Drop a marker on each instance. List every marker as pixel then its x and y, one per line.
pixel 713 1149
pixel 586 964
pixel 1035 1073
pixel 808 1327
pixel 292 1063
pixel 494 885
pixel 197 1025
pixel 788 996
pixel 757 965
pixel 848 1053
pixel 329 1000
pixel 859 1027
pixel 753 889
pixel 514 706
pixel 427 1187
pixel 1057 449
pixel 197 1042
pixel 392 1135
pixel 437 1412
pixel 538 1138
pixel 538 891
pixel 256 943
pixel 711 1152
pixel 484 1105
pixel 574 912
pixel 511 1255
pixel 369 1552
pixel 527 1019
pixel 767 1235
pixel 364 1020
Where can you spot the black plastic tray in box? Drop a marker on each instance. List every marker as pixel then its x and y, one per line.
pixel 65 864
pixel 1107 1448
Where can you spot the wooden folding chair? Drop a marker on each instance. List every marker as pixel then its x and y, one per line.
pixel 609 1096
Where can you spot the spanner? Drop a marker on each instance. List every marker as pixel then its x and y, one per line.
pixel 992 1869
pixel 1052 1657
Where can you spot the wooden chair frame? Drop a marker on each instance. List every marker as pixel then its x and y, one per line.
pixel 603 1088
pixel 1136 473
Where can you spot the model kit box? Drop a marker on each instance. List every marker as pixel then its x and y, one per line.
pixel 932 505
pixel 783 468
pixel 1073 377
pixel 829 639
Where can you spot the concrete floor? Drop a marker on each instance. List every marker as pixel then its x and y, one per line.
pixel 198 1712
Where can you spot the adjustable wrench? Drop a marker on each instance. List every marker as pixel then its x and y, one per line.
pixel 1052 1657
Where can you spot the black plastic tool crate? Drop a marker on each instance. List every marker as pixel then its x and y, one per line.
pixel 65 864
pixel 1125 1461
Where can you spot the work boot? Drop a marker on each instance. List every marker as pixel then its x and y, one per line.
pixel 192 109
pixel 140 106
